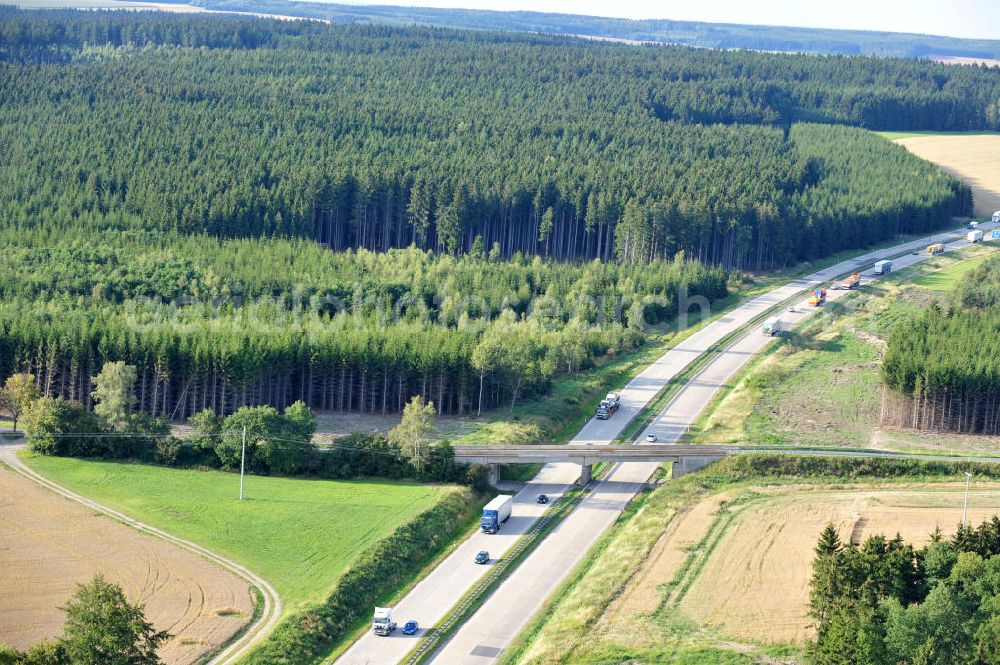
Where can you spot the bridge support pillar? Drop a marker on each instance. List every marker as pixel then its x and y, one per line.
pixel 685 465
pixel 586 474
pixel 494 474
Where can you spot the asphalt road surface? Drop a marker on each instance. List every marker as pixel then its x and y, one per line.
pixel 484 636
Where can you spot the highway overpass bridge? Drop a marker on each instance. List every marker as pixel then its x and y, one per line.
pixel 685 458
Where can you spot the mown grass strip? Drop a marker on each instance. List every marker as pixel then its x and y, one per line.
pixel 700 554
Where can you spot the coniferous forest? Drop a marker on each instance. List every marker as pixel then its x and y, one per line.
pixel 260 211
pixel 884 601
pixel 942 367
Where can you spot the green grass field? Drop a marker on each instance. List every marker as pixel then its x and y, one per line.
pixel 948 278
pixel 298 534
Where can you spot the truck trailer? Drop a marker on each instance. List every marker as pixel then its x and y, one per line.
pixel 382 623
pixel 936 248
pixel 848 283
pixel 608 406
pixel 883 267
pixel 773 326
pixel 974 236
pixel 496 512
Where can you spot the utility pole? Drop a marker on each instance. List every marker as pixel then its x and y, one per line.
pixel 965 510
pixel 243 460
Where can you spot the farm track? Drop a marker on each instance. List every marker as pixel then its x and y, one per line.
pixel 270 612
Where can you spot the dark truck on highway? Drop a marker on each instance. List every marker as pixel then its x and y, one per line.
pixel 608 406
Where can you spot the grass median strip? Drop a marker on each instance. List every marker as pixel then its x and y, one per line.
pixel 467 606
pixel 648 413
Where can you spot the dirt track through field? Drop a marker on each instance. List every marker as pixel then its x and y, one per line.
pixel 974 158
pixel 48 544
pixel 685 530
pixel 755 583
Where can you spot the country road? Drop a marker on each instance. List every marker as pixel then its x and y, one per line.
pixel 485 635
pixel 271 611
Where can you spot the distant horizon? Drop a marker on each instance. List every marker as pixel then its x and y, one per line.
pixel 963 19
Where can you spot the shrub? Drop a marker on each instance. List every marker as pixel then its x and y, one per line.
pixel 742 467
pixel 478 477
pixel 8 656
pixel 207 428
pixel 50 424
pixel 168 450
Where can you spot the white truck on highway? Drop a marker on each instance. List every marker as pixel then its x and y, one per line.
pixel 974 236
pixel 883 267
pixel 496 512
pixel 773 326
pixel 996 217
pixel 382 623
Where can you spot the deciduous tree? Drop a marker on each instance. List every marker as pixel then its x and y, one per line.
pixel 104 628
pixel 413 433
pixel 17 395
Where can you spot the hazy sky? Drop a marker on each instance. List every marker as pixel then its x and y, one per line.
pixel 958 18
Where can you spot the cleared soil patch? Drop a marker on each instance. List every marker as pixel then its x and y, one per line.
pixel 49 544
pixel 973 157
pixel 755 583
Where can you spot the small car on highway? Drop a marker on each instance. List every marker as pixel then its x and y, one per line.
pixel 650 438
pixel 542 498
pixel 483 557
pixel 410 627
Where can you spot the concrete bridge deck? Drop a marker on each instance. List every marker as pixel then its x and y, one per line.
pixel 685 458
pixel 585 454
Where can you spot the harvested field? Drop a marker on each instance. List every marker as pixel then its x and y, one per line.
pixel 964 60
pixel 973 157
pixel 49 544
pixel 646 591
pixel 755 582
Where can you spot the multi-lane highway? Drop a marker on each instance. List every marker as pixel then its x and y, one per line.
pixel 484 636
